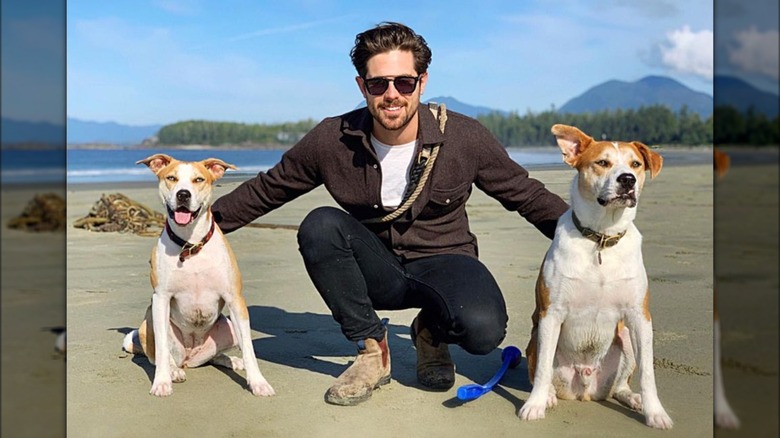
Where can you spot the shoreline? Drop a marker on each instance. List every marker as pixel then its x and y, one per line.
pixel 672 157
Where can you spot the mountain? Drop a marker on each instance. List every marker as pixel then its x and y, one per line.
pixel 459 107
pixel 453 104
pixel 741 95
pixel 610 95
pixel 19 131
pixel 648 91
pixel 82 131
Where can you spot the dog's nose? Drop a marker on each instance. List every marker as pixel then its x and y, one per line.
pixel 183 196
pixel 626 180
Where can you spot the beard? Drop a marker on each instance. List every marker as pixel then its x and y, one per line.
pixel 397 121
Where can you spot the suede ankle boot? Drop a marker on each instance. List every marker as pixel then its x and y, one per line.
pixel 435 369
pixel 370 370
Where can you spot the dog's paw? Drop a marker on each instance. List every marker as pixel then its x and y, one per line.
pixel 161 388
pixel 529 413
pixel 60 343
pixel 552 400
pixel 230 362
pixel 659 420
pixel 236 363
pixel 726 419
pixel 630 399
pixel 178 375
pixel 539 401
pixel 261 389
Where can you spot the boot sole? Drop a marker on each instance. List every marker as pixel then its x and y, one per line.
pixel 352 401
pixel 436 386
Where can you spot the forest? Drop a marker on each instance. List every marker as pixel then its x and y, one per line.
pixel 239 134
pixel 652 125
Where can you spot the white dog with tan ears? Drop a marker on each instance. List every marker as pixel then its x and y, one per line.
pixel 592 324
pixel 194 275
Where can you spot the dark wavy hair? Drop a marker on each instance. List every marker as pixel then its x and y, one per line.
pixel 385 37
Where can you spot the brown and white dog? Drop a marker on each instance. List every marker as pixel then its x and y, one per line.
pixel 724 416
pixel 592 325
pixel 194 275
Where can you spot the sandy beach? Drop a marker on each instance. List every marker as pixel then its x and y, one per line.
pixel 301 350
pixel 33 302
pixel 746 259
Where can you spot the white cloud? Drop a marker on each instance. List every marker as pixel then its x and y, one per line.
pixel 756 52
pixel 689 52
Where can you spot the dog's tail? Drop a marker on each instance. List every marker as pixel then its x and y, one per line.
pixel 60 343
pixel 131 344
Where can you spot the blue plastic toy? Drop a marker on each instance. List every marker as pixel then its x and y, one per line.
pixel 510 357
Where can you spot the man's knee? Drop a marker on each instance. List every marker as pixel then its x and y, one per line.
pixel 319 226
pixel 320 219
pixel 483 331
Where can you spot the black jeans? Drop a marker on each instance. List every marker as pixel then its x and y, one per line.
pixel 356 274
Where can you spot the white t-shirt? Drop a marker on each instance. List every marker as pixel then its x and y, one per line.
pixel 396 162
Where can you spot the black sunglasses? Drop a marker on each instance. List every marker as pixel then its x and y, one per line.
pixel 404 84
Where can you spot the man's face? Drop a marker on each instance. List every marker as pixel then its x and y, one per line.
pixel 394 112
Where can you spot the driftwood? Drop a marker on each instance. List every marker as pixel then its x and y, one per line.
pixel 45 212
pixel 118 213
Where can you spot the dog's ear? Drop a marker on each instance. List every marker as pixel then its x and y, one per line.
pixel 653 160
pixel 156 162
pixel 721 162
pixel 572 142
pixel 217 167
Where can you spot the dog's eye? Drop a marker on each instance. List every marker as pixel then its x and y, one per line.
pixel 603 163
pixel 636 164
pixel 200 179
pixel 171 178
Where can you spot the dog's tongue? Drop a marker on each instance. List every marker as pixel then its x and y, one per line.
pixel 182 216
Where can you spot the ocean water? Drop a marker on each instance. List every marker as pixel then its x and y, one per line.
pixel 118 165
pixel 21 166
pixel 76 166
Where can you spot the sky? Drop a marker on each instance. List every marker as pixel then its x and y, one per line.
pixel 143 62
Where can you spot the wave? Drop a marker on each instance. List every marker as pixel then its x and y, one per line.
pixel 118 166
pixel 136 174
pixel 33 175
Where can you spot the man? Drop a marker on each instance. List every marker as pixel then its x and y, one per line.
pixel 426 257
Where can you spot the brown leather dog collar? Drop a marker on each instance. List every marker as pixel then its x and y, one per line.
pixel 189 249
pixel 602 240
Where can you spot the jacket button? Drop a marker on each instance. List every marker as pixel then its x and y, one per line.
pixel 447 201
pixel 376 206
pixel 374 166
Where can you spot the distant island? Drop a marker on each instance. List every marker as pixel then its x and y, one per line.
pixel 150 145
pixel 654 109
pixel 653 124
pixel 31 146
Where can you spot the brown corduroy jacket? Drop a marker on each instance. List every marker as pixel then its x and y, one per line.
pixel 338 154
